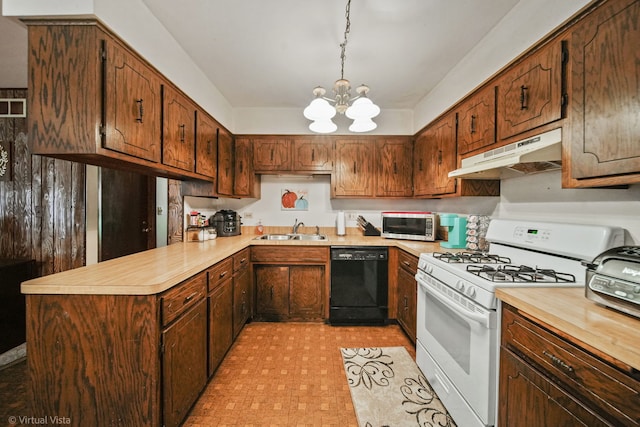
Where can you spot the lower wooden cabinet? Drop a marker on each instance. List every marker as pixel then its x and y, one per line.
pixel 407 293
pixel 242 295
pixel 547 380
pixel 220 322
pixel 184 363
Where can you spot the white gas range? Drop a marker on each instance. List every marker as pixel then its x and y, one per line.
pixel 458 327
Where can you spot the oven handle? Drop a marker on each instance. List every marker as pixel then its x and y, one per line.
pixel 482 319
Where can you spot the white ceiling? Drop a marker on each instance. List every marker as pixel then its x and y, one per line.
pixel 271 54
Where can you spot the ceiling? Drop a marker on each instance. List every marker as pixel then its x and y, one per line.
pixel 271 54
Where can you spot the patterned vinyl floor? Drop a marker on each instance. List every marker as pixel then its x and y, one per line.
pixel 275 374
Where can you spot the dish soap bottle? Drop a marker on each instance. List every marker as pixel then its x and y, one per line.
pixel 259 228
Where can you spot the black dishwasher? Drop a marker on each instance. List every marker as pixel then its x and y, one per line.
pixel 359 285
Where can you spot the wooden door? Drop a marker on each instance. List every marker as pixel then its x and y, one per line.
pixel 184 363
pixel 178 137
pixel 421 164
pixel 127 213
pixel 206 145
pixel 272 291
pixel 131 105
pixel 313 155
pixel 477 121
pixel 220 323
pixel 241 299
pixel 244 178
pixel 605 94
pixel 225 163
pixel 407 295
pixel 436 157
pixel 354 168
pixel 272 155
pixel 306 284
pixel 530 93
pixel 394 167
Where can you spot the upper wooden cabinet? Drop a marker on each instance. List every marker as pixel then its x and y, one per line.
pixel 530 92
pixel 394 166
pixel 271 155
pixel 245 182
pixel 604 131
pixel 353 174
pixel 435 156
pixel 179 130
pixel 225 163
pixel 313 154
pixel 206 144
pixel 477 121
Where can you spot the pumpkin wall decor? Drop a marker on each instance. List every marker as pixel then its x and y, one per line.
pixel 294 200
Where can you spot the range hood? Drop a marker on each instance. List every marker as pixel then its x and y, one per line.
pixel 536 154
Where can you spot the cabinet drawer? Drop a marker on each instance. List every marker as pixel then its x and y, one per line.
pixel 240 259
pixel 408 261
pixel 219 273
pixel 179 298
pixel 615 396
pixel 290 254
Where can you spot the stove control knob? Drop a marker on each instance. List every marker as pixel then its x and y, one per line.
pixel 460 286
pixel 471 292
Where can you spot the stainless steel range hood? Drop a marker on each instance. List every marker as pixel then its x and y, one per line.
pixel 536 154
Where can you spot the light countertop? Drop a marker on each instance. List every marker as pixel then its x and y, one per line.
pixel 156 270
pixel 599 329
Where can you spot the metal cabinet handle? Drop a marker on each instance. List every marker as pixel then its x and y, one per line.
pixel 271 293
pixel 182 134
pixel 406 303
pixel 313 154
pixel 190 297
pixel 407 263
pixel 420 164
pixel 354 168
pixel 524 98
pixel 439 157
pixel 558 362
pixel 224 273
pixel 140 110
pixel 272 154
pixel 473 124
pixel 209 147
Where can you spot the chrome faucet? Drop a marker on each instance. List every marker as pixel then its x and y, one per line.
pixel 296 225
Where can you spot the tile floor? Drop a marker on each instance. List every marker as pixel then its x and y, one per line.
pixel 275 374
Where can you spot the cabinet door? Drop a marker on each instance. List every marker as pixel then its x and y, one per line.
pixel 272 155
pixel 272 292
pixel 225 163
pixel 220 323
pixel 605 93
pixel 421 164
pixel 436 155
pixel 178 138
pixel 353 173
pixel 407 295
pixel 313 155
pixel 530 93
pixel 528 399
pixel 305 292
pixel 132 105
pixel 244 179
pixel 184 363
pixel 206 145
pixel 241 299
pixel 394 177
pixel 477 121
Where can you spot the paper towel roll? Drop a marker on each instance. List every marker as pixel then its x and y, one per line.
pixel 341 224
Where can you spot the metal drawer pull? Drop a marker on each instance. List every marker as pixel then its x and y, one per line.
pixel 224 273
pixel 557 361
pixel 140 110
pixel 190 297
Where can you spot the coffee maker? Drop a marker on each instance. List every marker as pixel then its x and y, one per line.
pixel 226 222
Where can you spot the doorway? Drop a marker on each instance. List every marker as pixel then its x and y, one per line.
pixel 126 213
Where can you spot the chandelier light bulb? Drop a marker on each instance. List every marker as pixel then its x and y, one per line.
pixel 323 126
pixel 363 125
pixel 362 108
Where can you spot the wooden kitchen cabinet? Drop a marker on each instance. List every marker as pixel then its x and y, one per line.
pixel 394 167
pixel 242 291
pixel 179 130
pixel 604 97
pixel 206 145
pixel 290 282
pixel 313 155
pixel 220 299
pixel 557 382
pixel 530 93
pixel 407 293
pixel 477 121
pixel 435 156
pixel 353 174
pixel 225 163
pixel 272 154
pixel 245 182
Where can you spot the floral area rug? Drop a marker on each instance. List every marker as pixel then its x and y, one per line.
pixel 388 389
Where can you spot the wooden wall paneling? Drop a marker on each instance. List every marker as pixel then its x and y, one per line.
pixel 78 215
pixel 176 215
pixel 22 194
pixel 47 196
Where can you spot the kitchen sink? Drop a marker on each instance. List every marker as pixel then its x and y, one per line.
pixel 292 237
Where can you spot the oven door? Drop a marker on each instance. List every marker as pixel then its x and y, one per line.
pixel 460 339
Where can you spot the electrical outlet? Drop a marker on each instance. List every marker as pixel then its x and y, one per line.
pixel 248 215
pixel 352 216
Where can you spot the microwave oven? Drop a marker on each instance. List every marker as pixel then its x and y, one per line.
pixel 410 225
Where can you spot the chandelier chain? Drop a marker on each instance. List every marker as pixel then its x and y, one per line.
pixel 343 45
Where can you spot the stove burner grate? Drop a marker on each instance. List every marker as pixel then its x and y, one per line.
pixel 470 258
pixel 521 273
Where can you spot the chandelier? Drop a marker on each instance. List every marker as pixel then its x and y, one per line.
pixel 360 109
